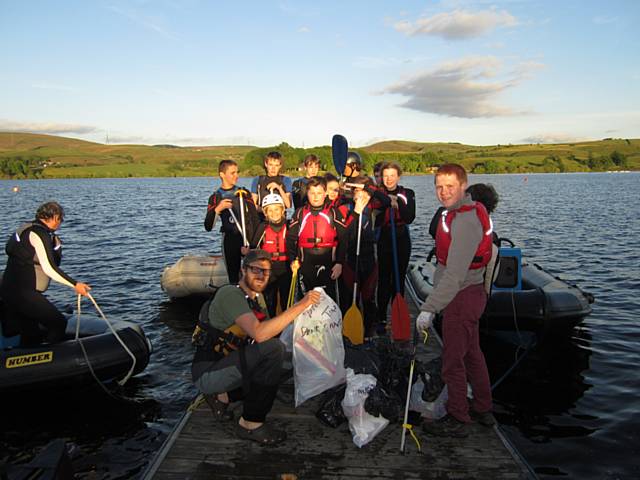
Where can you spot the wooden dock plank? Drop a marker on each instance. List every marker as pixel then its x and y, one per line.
pixel 202 448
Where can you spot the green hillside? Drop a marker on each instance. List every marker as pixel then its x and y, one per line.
pixel 44 156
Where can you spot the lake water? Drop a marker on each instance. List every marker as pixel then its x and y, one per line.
pixel 571 407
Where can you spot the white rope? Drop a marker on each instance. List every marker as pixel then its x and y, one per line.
pixel 115 334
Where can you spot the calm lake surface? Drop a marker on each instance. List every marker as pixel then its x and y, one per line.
pixel 572 408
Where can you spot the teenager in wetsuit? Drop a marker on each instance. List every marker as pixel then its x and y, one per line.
pixel 403 207
pixel 272 182
pixel 316 240
pixel 34 254
pixel 225 203
pixel 299 189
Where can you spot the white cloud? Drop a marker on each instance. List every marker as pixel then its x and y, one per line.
pixel 386 62
pixel 467 88
pixel 48 128
pixel 604 19
pixel 304 29
pixel 551 138
pixel 458 24
pixel 155 23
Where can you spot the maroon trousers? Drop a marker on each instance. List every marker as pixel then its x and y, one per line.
pixel 462 359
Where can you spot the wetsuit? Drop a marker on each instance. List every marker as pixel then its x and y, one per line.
pixel 259 187
pixel 316 237
pixel 34 255
pixel 232 239
pixel 404 215
pixel 272 238
pixel 250 373
pixel 299 192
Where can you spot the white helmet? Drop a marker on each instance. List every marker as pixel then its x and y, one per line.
pixel 272 199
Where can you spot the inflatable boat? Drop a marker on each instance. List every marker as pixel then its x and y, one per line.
pixel 524 296
pixel 96 354
pixel 194 275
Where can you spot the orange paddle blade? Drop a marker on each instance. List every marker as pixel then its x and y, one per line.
pixel 353 326
pixel 400 322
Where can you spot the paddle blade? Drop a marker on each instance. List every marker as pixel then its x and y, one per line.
pixel 353 326
pixel 339 151
pixel 400 322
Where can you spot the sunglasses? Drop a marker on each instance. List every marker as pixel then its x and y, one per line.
pixel 258 270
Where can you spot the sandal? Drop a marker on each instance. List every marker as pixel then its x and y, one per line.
pixel 265 434
pixel 219 409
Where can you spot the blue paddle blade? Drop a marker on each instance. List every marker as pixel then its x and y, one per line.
pixel 339 151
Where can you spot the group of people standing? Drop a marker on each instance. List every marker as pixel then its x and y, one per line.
pixel 333 222
pixel 336 225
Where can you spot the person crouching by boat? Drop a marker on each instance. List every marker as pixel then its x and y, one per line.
pixel 271 236
pixel 463 248
pixel 402 204
pixel 316 240
pixel 237 356
pixel 224 203
pixel 34 255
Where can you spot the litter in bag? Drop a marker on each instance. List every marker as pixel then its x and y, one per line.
pixel 318 350
pixel 363 426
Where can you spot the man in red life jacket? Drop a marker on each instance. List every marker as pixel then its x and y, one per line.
pixel 227 367
pixel 316 240
pixel 463 248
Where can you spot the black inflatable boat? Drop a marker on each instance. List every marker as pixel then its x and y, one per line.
pixel 71 362
pixel 523 296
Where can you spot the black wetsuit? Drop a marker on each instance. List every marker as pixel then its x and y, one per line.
pixel 405 215
pixel 316 262
pixel 34 255
pixel 299 192
pixel 232 239
pixel 367 263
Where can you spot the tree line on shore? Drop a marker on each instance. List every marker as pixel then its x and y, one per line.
pixel 422 159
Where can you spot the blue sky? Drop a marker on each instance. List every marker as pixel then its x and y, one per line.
pixel 192 72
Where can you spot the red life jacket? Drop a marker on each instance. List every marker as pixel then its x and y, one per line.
pixel 443 235
pixel 274 242
pixel 402 197
pixel 317 230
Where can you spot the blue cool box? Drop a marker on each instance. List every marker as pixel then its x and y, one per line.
pixel 510 274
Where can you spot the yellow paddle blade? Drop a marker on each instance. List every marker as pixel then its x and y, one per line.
pixel 353 326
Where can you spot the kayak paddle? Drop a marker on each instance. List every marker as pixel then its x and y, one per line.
pixel 339 152
pixel 353 324
pixel 400 323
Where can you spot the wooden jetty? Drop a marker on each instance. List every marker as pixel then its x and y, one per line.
pixel 200 448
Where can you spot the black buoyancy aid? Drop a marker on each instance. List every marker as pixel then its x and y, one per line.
pixel 263 181
pixel 20 249
pixel 443 235
pixel 317 229
pixel 274 242
pixel 402 197
pixel 212 343
pixel 228 222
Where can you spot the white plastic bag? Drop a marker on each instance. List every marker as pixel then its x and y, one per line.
pixel 432 410
pixel 364 426
pixel 318 349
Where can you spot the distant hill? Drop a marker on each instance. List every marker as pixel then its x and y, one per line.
pixel 47 156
